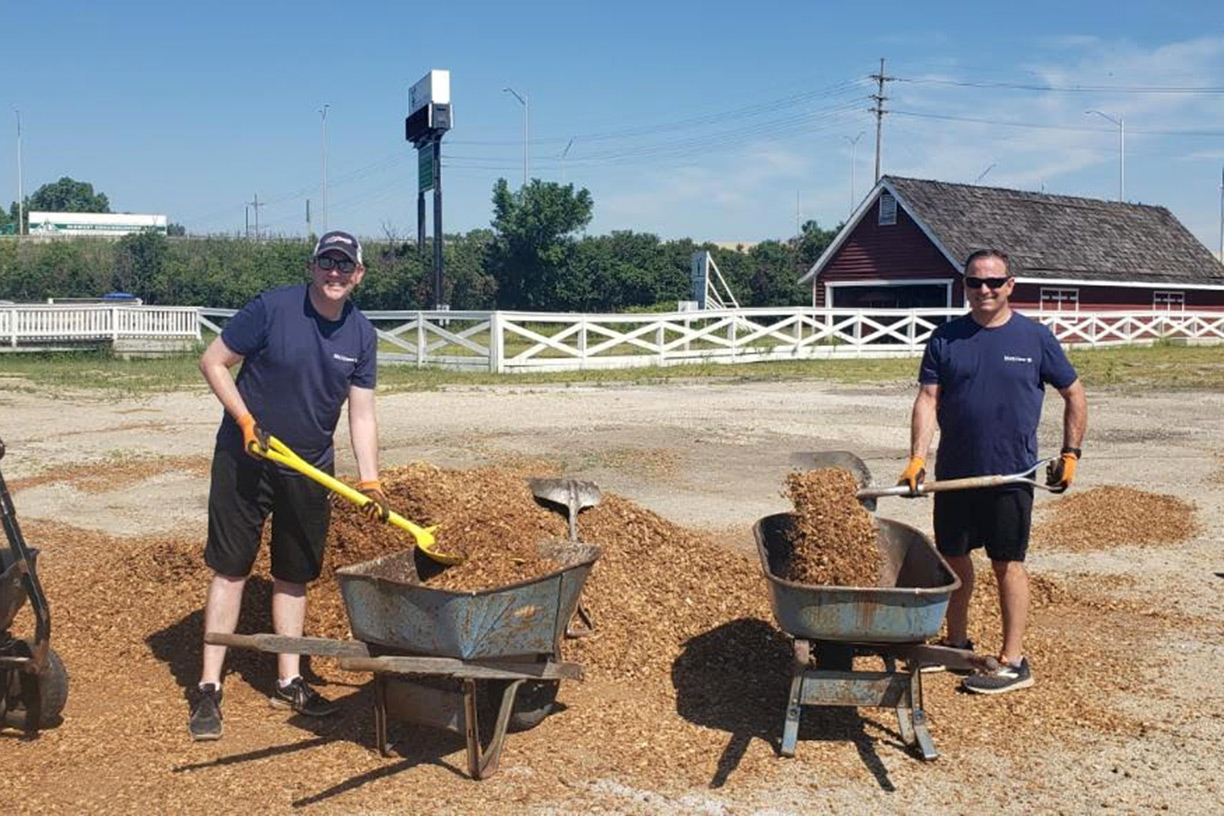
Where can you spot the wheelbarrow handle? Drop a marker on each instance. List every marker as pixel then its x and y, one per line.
pixel 967 483
pixel 280 453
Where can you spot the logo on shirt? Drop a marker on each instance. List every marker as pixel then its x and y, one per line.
pixel 344 359
pixel 1011 358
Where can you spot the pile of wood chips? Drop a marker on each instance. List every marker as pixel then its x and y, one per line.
pixel 1113 516
pixel 833 542
pixel 687 675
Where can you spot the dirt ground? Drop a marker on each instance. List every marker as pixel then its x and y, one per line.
pixel 1134 635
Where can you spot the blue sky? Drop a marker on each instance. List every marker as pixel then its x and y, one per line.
pixel 719 121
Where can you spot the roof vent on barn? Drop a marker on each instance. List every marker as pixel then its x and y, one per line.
pixel 888 210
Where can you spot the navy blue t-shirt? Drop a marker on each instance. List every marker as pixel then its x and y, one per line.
pixel 992 382
pixel 298 368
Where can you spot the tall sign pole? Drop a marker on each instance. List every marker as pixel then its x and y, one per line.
pixel 429 117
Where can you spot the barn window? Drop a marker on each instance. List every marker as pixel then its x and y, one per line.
pixel 888 210
pixel 1168 301
pixel 1055 299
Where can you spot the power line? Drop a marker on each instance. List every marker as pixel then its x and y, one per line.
pixel 1016 86
pixel 1035 126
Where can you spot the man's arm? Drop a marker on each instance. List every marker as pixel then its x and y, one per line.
pixel 923 419
pixel 922 428
pixel 1075 414
pixel 215 365
pixel 363 430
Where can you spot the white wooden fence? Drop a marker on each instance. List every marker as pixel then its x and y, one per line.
pixel 532 341
pixel 51 326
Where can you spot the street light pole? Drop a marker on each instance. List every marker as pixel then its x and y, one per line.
pixel 1121 123
pixel 523 99
pixel 20 191
pixel 853 153
pixel 323 151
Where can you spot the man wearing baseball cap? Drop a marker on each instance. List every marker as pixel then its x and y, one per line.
pixel 304 351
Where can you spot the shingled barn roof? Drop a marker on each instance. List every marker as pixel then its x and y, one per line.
pixel 1055 236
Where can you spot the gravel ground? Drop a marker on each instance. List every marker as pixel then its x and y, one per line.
pixel 1131 634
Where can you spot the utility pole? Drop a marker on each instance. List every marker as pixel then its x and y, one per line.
pixel 323 150
pixel 255 205
pixel 853 160
pixel 1222 215
pixel 308 233
pixel 20 191
pixel 879 111
pixel 798 226
pixel 246 215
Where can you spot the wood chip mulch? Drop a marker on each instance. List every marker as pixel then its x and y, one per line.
pixel 687 677
pixel 833 542
pixel 1112 516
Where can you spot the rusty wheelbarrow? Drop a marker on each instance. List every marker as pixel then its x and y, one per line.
pixel 441 657
pixel 33 680
pixel 830 624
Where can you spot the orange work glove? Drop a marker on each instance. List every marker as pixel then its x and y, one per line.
pixel 915 473
pixel 377 508
pixel 252 436
pixel 1061 472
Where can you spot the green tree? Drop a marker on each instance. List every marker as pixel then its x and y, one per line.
pixel 68 195
pixel 533 242
pixel 140 262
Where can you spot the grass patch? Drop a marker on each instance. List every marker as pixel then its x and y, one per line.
pixel 1167 367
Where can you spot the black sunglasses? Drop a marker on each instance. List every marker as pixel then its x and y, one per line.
pixel 978 283
pixel 326 263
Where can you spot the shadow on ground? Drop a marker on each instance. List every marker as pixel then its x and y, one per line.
pixel 736 678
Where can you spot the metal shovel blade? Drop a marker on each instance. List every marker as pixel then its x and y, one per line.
pixel 572 494
pixel 844 460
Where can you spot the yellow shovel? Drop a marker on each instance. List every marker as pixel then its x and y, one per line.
pixel 279 452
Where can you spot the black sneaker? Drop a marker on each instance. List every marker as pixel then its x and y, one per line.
pixel 302 699
pixel 938 667
pixel 205 722
pixel 1005 678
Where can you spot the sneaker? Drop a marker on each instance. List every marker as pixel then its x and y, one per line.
pixel 927 668
pixel 302 699
pixel 205 722
pixel 1005 678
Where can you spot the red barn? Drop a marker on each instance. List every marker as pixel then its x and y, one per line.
pixel 904 246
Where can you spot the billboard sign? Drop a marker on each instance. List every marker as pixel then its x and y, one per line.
pixel 433 87
pixel 425 169
pixel 110 224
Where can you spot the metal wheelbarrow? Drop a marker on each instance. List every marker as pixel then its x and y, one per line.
pixel 33 680
pixel 436 654
pixel 893 619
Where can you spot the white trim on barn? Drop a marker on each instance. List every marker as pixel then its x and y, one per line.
pixel 848 228
pixel 1057 296
pixel 1126 283
pixel 873 282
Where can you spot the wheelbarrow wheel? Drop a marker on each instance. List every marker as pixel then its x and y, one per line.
pixel 534 702
pixel 46 693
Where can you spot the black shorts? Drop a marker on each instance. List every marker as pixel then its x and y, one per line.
pixel 243 492
pixel 996 518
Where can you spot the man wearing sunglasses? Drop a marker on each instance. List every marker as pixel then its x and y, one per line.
pixel 304 351
pixel 982 382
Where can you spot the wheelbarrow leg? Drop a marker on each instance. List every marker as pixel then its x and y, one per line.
pixel 794 704
pixel 380 714
pixel 917 713
pixel 483 761
pixel 905 719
